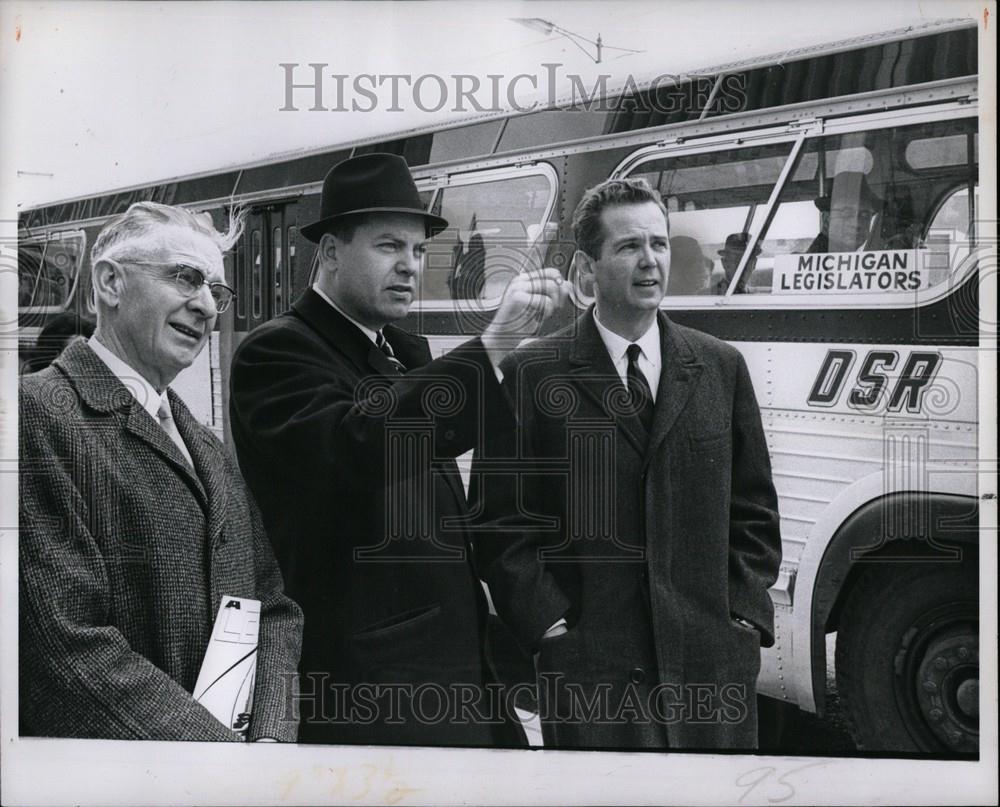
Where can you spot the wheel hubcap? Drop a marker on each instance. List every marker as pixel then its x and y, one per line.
pixel 939 658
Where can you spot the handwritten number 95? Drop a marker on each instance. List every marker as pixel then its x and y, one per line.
pixel 780 788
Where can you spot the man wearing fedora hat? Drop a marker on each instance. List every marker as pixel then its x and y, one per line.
pixel 346 431
pixel 731 253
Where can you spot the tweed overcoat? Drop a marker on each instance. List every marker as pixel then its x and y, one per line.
pixel 353 466
pixel 125 555
pixel 648 544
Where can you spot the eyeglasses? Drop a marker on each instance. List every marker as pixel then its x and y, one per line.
pixel 190 280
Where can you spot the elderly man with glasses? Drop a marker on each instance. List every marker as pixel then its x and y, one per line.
pixel 135 525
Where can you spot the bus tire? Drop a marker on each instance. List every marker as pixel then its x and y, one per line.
pixel 908 658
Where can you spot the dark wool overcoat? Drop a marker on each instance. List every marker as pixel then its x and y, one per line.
pixel 353 466
pixel 125 555
pixel 649 545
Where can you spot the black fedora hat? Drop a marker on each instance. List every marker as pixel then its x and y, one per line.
pixel 736 243
pixel 371 183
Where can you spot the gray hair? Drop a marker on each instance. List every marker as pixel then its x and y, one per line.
pixel 141 220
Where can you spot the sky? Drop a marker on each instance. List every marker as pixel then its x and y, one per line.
pixel 96 96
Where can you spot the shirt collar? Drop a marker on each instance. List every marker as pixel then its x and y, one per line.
pixel 144 392
pixel 363 328
pixel 649 342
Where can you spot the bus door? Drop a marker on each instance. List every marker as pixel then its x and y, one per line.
pixel 267 264
pixel 267 269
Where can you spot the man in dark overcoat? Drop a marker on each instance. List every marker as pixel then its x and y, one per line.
pixel 633 521
pixel 347 430
pixel 134 520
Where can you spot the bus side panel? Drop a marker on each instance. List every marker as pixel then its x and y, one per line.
pixel 830 455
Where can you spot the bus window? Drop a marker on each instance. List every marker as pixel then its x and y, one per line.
pixel 279 300
pixel 714 201
pixel 463 141
pixel 851 194
pixel 29 259
pixel 240 280
pixel 953 216
pixel 47 271
pixel 493 226
pixel 293 242
pixel 256 268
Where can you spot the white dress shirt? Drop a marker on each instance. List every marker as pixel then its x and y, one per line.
pixel 650 361
pixel 144 392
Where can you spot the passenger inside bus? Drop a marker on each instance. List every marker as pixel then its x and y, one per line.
pixel 730 254
pixel 849 215
pixel 689 268
pixel 469 276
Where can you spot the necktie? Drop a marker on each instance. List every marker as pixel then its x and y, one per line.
pixel 382 344
pixel 166 418
pixel 638 388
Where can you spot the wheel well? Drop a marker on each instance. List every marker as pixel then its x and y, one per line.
pixel 897 528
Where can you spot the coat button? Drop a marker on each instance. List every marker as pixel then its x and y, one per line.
pixel 637 676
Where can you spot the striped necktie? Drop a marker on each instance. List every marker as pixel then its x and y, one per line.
pixel 382 344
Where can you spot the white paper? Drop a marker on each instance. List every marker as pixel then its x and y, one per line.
pixel 225 682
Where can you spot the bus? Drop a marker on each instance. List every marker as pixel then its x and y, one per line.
pixel 823 211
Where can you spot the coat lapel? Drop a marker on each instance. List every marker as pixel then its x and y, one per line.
pixel 209 464
pixel 140 424
pixel 680 368
pixel 345 337
pixel 101 390
pixel 413 352
pixel 340 332
pixel 595 375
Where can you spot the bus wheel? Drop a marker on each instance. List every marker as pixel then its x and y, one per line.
pixel 908 659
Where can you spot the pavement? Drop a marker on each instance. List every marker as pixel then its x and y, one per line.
pixel 788 730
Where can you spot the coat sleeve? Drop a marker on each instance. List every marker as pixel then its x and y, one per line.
pixel 754 530
pixel 78 675
pixel 292 401
pixel 520 517
pixel 279 646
